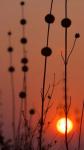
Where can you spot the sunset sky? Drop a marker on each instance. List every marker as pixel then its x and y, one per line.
pixel 36 31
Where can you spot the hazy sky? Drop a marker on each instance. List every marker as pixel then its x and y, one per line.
pixel 36 29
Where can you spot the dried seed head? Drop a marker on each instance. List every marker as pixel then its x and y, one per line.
pixel 77 35
pixel 22 3
pixel 49 18
pixel 11 69
pixel 66 22
pixel 22 94
pixel 46 51
pixel 32 111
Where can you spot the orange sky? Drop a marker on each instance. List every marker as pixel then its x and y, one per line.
pixel 36 29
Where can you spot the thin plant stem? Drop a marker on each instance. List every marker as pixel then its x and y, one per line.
pixel 81 126
pixel 13 95
pixel 42 107
pixel 43 89
pixel 13 107
pixel 66 136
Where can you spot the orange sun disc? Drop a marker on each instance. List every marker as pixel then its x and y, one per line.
pixel 61 125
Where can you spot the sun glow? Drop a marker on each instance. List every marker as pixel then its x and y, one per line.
pixel 61 125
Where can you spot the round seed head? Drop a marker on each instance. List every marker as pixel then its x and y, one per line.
pixel 49 18
pixel 46 51
pixel 9 33
pixel 66 22
pixel 23 40
pixel 10 49
pixel 11 69
pixel 25 68
pixel 77 35
pixel 24 60
pixel 22 94
pixel 32 111
pixel 23 21
pixel 22 3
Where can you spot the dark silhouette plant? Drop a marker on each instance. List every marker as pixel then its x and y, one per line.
pixel 25 135
pixel 46 52
pixel 66 23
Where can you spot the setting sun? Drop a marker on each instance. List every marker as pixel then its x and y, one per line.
pixel 61 125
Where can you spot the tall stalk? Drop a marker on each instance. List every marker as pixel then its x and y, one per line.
pixel 81 126
pixel 11 70
pixel 66 23
pixel 24 61
pixel 66 115
pixel 42 106
pixel 46 51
